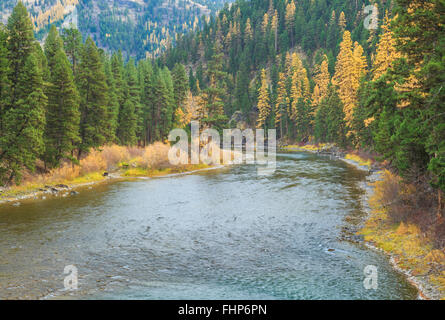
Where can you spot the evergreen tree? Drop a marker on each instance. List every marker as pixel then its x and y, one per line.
pixel 53 44
pixel 24 116
pixel 212 97
pixel 72 39
pixel 130 113
pixel 93 89
pixel 62 115
pixel 263 101
pixel 180 84
pixel 5 84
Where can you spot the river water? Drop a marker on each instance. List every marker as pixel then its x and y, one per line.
pixel 219 234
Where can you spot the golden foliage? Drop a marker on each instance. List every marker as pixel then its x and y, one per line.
pixel 263 100
pixel 342 21
pixel 386 52
pixel 351 65
pixel 282 99
pixel 322 80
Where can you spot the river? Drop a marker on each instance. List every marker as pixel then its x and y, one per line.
pixel 220 234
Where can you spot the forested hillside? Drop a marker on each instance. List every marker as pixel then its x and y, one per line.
pixel 139 28
pixel 309 68
pixel 313 70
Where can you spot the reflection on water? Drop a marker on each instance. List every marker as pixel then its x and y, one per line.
pixel 220 234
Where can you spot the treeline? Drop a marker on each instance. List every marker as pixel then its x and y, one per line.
pixel 58 102
pixel 313 71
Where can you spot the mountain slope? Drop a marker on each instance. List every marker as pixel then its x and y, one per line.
pixel 139 28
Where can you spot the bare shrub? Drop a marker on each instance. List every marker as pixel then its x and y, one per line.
pixel 135 152
pixel 154 156
pixel 412 203
pixel 92 163
pixel 115 154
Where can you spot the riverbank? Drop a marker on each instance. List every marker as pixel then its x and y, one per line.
pixel 407 249
pixel 100 166
pixel 70 188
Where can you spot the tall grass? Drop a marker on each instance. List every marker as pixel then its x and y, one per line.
pixel 108 158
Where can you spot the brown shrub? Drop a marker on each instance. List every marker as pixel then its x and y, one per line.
pixel 154 156
pixel 413 203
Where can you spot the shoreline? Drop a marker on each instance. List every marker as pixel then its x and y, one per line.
pixel 40 193
pixel 426 290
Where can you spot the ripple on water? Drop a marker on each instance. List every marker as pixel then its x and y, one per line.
pixel 217 234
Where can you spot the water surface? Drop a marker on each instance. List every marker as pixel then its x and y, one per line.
pixel 219 234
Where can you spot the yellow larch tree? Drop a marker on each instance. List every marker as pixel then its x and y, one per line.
pixel 263 101
pixel 265 23
pixel 299 85
pixel 344 77
pixel 248 30
pixel 386 52
pixel 290 19
pixel 282 101
pixel 360 63
pixel 342 21
pixel 274 25
pixel 322 80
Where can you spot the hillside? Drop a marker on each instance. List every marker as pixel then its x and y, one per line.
pixel 139 27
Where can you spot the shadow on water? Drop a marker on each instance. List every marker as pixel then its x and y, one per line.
pixel 223 234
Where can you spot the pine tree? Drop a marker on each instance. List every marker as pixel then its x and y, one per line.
pixel 146 85
pixel 130 118
pixel 53 44
pixel 180 84
pixel 113 104
pixel 24 114
pixel 93 89
pixel 418 29
pixel 263 101
pixel 5 84
pixel 72 39
pixel 212 97
pixel 62 115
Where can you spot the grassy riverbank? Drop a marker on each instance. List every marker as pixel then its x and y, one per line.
pixel 111 162
pixel 412 250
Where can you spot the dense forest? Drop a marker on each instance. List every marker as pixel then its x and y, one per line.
pixel 139 28
pixel 58 102
pixel 313 70
pixel 310 68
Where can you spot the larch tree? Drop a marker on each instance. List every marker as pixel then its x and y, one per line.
pixel 322 80
pixel 263 101
pixel 345 77
pixel 290 19
pixel 282 102
pixel 386 51
pixel 342 21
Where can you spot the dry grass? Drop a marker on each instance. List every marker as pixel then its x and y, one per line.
pixel 358 159
pixel 92 167
pixel 391 229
